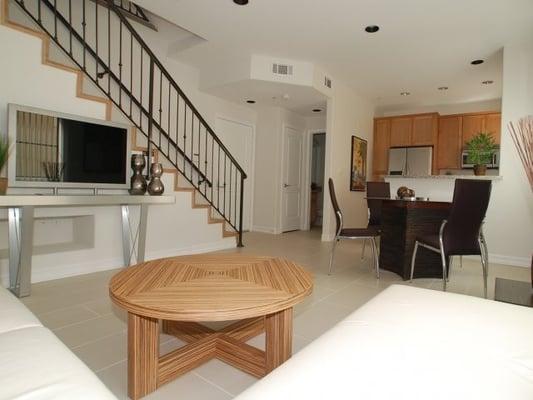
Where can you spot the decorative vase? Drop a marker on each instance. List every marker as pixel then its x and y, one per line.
pixel 155 187
pixel 137 181
pixel 3 186
pixel 480 169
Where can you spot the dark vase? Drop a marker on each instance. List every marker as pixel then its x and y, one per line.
pixel 156 187
pixel 137 181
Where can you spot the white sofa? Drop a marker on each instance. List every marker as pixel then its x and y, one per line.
pixel 35 364
pixel 410 343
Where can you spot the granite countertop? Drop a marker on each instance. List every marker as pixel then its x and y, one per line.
pixel 485 177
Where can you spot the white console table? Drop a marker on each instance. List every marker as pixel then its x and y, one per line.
pixel 20 220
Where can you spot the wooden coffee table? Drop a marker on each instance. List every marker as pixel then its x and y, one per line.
pixel 182 291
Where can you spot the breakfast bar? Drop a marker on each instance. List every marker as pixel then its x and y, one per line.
pixel 402 222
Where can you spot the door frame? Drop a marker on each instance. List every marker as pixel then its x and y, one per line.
pixel 280 183
pixel 308 145
pixel 251 174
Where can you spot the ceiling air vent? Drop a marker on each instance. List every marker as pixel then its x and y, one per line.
pixel 327 82
pixel 282 69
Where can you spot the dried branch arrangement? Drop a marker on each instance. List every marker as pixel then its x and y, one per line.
pixel 522 134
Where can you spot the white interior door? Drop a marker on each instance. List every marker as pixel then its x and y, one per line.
pixel 291 190
pixel 238 139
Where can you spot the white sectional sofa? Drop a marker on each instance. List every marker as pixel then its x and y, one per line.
pixel 410 343
pixel 34 363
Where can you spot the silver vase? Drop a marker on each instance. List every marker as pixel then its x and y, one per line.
pixel 137 182
pixel 156 187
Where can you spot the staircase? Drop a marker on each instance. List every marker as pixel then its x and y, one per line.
pixel 104 47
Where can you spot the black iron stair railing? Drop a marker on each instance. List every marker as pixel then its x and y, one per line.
pixel 107 48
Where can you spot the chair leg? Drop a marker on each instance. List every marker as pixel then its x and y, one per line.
pixel 484 265
pixel 444 275
pixel 461 261
pixel 376 255
pixel 332 255
pixel 413 259
pixel 363 252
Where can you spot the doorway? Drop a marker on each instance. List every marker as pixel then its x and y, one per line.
pixel 316 202
pixel 291 191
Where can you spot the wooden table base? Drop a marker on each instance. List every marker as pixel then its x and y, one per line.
pixel 148 371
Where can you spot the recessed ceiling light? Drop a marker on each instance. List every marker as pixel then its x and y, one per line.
pixel 443 88
pixel 241 2
pixel 405 93
pixel 250 101
pixel 477 62
pixel 317 110
pixel 487 82
pixel 372 28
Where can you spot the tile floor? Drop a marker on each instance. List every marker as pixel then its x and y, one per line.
pixel 80 313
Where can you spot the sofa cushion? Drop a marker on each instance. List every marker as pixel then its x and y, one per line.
pixel 34 364
pixel 14 314
pixel 410 343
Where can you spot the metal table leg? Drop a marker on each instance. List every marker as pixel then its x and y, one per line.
pixel 134 240
pixel 20 221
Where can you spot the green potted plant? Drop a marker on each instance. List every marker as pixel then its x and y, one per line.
pixel 480 151
pixel 4 151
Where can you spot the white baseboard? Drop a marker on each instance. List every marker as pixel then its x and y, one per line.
pixel 64 271
pixel 265 229
pixel 507 260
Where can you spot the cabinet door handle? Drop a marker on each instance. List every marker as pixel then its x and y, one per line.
pixel 286 186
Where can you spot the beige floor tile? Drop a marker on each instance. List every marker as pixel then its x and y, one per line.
pixel 68 316
pixel 89 331
pixel 319 318
pixel 353 296
pixel 225 376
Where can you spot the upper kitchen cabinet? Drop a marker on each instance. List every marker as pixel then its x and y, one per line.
pixel 493 124
pixel 381 147
pixel 400 131
pixel 481 122
pixel 450 144
pixel 425 130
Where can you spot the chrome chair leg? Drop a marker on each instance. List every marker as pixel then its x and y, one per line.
pixel 444 274
pixel 376 255
pixel 413 259
pixel 484 263
pixel 363 252
pixel 332 255
pixel 461 261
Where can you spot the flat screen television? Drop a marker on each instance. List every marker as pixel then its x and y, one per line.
pixel 59 150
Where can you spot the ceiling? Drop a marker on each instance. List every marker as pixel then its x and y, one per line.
pixel 422 44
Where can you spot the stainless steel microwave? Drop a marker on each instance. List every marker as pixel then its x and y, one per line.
pixel 466 164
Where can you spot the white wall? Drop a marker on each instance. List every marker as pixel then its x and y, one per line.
pixel 348 114
pixel 172 229
pixel 510 233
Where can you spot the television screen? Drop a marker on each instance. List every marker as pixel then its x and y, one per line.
pixel 93 153
pixel 57 149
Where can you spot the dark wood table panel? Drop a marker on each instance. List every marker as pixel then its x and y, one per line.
pixel 402 221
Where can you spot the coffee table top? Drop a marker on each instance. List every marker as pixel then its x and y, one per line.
pixel 210 287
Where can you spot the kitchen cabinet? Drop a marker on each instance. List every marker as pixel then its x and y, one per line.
pixel 493 124
pixel 450 143
pixel 425 130
pixel 482 122
pixel 381 147
pixel 400 131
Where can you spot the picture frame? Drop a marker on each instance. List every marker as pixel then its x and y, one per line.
pixel 358 165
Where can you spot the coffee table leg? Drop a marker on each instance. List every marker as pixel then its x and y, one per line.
pixel 278 332
pixel 143 355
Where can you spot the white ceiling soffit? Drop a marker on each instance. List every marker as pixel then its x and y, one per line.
pixel 297 98
pixel 422 44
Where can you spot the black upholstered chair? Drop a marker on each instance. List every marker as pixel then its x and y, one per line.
pixel 375 193
pixel 370 233
pixel 461 234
